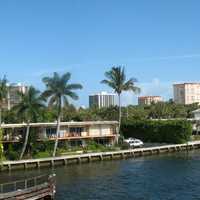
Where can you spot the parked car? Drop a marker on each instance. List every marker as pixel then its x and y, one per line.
pixel 133 142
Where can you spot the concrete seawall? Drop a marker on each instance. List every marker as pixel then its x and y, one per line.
pixel 89 157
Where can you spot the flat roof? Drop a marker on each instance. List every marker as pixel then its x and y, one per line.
pixel 196 111
pixel 50 124
pixel 103 93
pixel 148 97
pixel 189 83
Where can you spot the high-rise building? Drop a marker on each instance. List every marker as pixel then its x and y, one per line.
pixel 148 100
pixel 187 93
pixel 12 97
pixel 102 99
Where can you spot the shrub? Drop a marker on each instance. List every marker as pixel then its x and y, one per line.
pixel 1 145
pixel 11 154
pixel 169 131
pixel 42 154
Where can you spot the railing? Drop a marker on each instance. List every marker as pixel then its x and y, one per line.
pixel 26 184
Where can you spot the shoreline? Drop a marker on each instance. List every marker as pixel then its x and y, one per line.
pixel 100 156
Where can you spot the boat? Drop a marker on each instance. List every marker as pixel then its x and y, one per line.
pixel 39 187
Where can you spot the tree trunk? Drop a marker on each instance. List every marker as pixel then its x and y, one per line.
pixel 26 140
pixel 57 134
pixel 120 112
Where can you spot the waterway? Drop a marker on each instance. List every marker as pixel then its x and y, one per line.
pixel 162 177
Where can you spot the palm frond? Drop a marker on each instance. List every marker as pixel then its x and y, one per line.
pixel 116 79
pixel 66 77
pixel 74 86
pixel 58 89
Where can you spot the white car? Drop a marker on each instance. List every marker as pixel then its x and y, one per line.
pixel 134 142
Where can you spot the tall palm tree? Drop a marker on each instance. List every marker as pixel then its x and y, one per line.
pixel 116 79
pixel 3 94
pixel 29 108
pixel 58 89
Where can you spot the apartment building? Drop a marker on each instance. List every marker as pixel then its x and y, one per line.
pixel 148 100
pixel 186 93
pixel 104 132
pixel 102 99
pixel 12 96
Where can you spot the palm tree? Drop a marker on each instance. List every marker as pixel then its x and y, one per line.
pixel 3 94
pixel 58 89
pixel 29 108
pixel 116 79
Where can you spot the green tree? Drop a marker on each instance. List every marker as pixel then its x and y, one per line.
pixel 3 94
pixel 1 144
pixel 29 108
pixel 116 79
pixel 58 89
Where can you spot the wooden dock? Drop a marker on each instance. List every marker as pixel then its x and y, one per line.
pixel 89 157
pixel 40 187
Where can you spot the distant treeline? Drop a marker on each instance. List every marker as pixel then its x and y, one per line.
pixel 164 110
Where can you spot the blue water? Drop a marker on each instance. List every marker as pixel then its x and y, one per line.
pixel 165 177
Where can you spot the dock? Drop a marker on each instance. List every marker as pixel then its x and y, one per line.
pixel 40 187
pixel 100 156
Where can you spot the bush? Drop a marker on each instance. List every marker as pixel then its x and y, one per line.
pixel 45 146
pixel 169 131
pixel 42 154
pixel 12 154
pixel 1 145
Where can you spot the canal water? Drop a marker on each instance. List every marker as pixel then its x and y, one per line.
pixel 163 177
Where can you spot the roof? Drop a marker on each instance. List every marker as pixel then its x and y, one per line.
pixel 196 111
pixel 189 83
pixel 103 93
pixel 50 124
pixel 149 97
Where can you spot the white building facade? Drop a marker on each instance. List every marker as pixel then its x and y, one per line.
pixel 12 96
pixel 186 93
pixel 102 100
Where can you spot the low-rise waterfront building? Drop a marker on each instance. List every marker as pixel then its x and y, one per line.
pixel 102 99
pixel 186 93
pixel 148 100
pixel 104 132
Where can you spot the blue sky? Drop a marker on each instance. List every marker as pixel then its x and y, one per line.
pixel 157 41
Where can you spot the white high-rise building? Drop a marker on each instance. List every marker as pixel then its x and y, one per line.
pixel 187 93
pixel 102 99
pixel 12 96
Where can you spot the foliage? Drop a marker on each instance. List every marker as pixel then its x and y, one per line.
pixel 1 144
pixel 3 89
pixel 29 109
pixel 30 105
pixel 58 89
pixel 11 153
pixel 164 110
pixel 42 147
pixel 169 131
pixel 42 154
pixel 116 79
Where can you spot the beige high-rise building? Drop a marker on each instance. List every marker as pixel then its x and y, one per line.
pixel 12 97
pixel 148 100
pixel 186 93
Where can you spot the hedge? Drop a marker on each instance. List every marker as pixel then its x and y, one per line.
pixel 168 131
